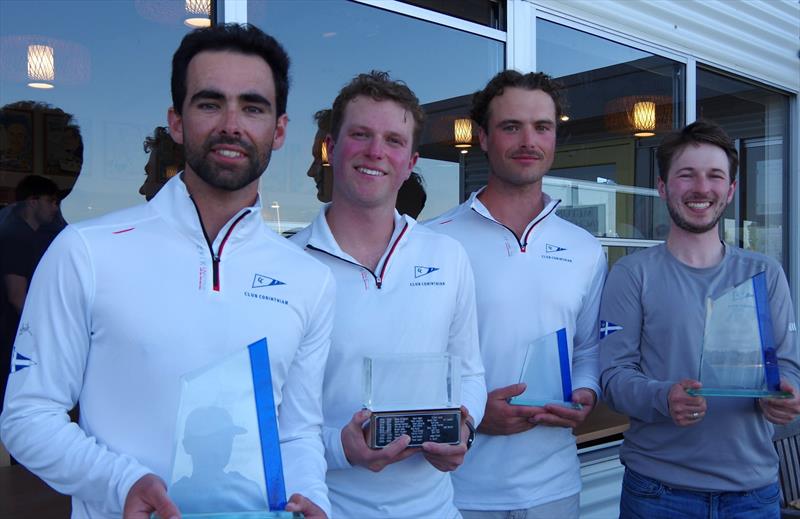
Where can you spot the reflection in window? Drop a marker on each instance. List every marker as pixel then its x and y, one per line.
pixel 107 64
pixel 756 117
pixel 329 43
pixel 621 101
pixel 485 12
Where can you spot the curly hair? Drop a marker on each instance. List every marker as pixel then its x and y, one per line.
pixel 513 79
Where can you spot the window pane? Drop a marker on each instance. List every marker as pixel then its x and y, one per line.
pixel 757 118
pixel 111 70
pixel 620 102
pixel 485 12
pixel 329 43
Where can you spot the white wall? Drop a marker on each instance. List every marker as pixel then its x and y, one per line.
pixel 756 39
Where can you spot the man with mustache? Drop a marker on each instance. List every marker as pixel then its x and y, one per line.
pixel 690 456
pixel 535 273
pixel 121 307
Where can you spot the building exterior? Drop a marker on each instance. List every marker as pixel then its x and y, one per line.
pixel 633 70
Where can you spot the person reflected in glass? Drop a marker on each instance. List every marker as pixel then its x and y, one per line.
pixel 320 169
pixel 412 197
pixel 166 160
pixel 208 439
pixel 689 455
pixel 29 225
pixel 24 238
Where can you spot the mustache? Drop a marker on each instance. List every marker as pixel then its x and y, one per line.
pixel 527 154
pixel 228 139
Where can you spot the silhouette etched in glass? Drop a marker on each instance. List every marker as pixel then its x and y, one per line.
pixel 227 459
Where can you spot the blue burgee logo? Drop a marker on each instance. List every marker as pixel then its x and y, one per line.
pixel 423 271
pixel 20 361
pixel 553 248
pixel 607 328
pixel 261 281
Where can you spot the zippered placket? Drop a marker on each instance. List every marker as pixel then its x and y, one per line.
pixel 216 257
pixel 522 246
pixel 378 277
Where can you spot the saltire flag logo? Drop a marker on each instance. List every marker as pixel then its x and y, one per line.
pixel 20 362
pixel 261 281
pixel 423 271
pixel 607 328
pixel 553 248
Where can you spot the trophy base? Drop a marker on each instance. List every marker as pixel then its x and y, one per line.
pixel 516 400
pixel 430 425
pixel 741 393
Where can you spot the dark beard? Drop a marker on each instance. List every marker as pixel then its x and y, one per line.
pixel 689 227
pixel 226 180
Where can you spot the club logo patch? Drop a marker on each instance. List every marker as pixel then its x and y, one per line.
pixel 261 281
pixel 423 271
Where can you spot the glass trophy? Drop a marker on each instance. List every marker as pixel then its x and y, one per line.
pixel 738 357
pixel 414 394
pixel 547 372
pixel 227 458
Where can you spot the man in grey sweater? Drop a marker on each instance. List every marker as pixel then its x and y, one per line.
pixel 690 456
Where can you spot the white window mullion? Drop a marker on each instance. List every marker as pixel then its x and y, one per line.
pixel 691 90
pixel 520 47
pixel 233 11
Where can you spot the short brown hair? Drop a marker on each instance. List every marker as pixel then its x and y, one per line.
pixel 379 86
pixel 513 79
pixel 699 132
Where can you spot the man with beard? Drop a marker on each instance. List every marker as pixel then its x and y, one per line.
pixel 123 306
pixel 691 456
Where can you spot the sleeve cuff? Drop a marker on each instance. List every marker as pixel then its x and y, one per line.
pixel 334 450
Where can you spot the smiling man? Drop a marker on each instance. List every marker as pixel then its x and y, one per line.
pixel 123 306
pixel 535 274
pixel 401 288
pixel 689 456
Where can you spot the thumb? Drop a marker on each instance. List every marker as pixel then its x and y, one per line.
pixel 504 393
pixel 688 383
pixel 359 418
pixel 397 446
pixel 786 386
pixel 164 506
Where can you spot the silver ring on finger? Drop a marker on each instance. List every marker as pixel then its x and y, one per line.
pixel 695 415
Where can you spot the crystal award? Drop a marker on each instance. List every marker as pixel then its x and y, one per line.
pixel 547 373
pixel 227 458
pixel 738 357
pixel 414 394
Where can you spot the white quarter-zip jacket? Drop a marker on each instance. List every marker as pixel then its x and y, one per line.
pixel 551 279
pixel 121 306
pixel 420 299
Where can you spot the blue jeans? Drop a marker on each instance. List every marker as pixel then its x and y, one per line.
pixel 647 498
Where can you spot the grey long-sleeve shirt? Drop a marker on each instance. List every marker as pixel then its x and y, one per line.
pixel 660 305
